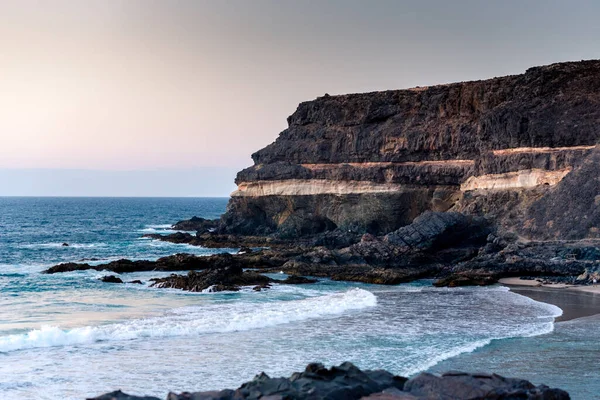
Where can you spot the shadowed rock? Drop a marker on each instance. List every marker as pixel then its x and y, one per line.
pixel 196 224
pixel 111 279
pixel 347 382
pixel 212 280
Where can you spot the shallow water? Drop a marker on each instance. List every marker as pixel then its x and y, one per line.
pixel 71 336
pixel 568 358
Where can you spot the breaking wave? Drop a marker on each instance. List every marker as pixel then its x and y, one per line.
pixel 188 321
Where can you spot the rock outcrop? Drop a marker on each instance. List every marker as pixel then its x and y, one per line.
pixel 347 382
pixel 373 162
pixel 196 224
pixel 212 280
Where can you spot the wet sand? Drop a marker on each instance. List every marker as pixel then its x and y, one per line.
pixel 575 301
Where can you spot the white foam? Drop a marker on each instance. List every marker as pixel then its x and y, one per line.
pixel 53 245
pixel 197 320
pixel 159 226
pixel 435 358
pixel 167 231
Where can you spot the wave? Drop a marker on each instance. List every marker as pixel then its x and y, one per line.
pixel 164 231
pixel 530 330
pixel 194 320
pixel 53 245
pixel 159 226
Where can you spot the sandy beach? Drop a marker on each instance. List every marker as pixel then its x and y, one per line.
pixel 575 301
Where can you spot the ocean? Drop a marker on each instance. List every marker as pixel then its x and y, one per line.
pixel 71 336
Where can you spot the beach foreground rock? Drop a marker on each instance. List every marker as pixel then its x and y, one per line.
pixel 347 382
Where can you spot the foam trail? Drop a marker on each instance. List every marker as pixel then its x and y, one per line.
pixel 197 320
pixel 54 245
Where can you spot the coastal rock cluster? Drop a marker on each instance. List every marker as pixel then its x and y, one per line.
pixel 347 382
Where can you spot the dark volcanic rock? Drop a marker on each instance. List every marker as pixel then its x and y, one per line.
pixel 550 106
pixel 213 280
pixel 196 224
pixel 372 162
pixel 297 280
pixel 214 240
pixel 347 382
pixel 111 279
pixel 118 395
pixel 359 273
pixel 522 259
pixel 571 210
pixel 184 262
pixel 437 230
pixel 177 262
pixel 296 216
pixel 459 385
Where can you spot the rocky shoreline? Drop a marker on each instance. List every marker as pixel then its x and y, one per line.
pixel 347 382
pixel 465 183
pixel 452 248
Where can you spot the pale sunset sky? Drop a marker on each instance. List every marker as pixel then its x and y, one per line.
pixel 170 98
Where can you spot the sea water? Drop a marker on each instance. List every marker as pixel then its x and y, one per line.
pixel 72 336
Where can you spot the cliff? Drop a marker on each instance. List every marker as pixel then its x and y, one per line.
pixel 373 162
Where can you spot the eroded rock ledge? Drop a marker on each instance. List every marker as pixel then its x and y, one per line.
pixel 373 162
pixel 347 382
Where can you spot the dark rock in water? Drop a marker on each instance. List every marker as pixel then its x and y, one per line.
pixel 177 237
pixel 265 258
pixel 111 279
pixel 297 280
pixel 177 262
pixel 118 395
pixel 244 250
pixel 214 240
pixel 259 288
pixel 196 224
pixel 358 273
pixel 347 382
pixel 213 280
pixel 65 244
pixel 465 280
pixel 137 282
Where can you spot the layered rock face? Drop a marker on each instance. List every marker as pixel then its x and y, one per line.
pixel 373 162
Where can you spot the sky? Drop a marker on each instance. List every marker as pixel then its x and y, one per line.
pixel 161 98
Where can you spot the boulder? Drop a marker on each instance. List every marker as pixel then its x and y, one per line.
pixel 111 279
pixel 196 224
pixel 439 230
pixel 118 395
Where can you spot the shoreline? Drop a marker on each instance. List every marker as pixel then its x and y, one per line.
pixel 575 301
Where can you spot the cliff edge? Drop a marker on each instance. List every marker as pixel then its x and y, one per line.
pixel 373 162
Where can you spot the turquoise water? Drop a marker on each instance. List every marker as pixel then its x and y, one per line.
pixel 71 336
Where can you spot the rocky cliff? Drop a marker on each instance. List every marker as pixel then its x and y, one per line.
pixel 373 162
